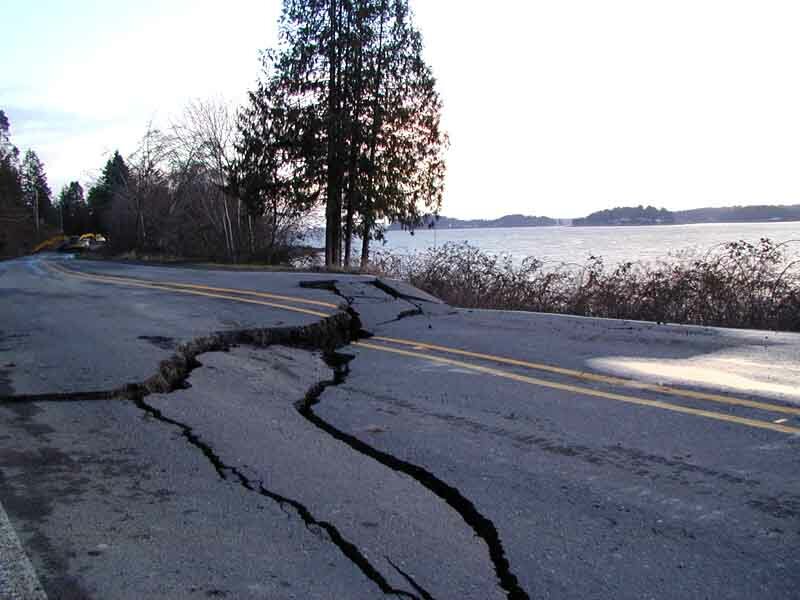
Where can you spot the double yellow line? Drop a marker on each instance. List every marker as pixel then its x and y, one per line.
pixel 597 393
pixel 596 377
pixel 259 298
pixel 437 353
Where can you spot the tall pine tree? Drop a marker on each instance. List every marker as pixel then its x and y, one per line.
pixel 361 115
pixel 266 174
pixel 113 181
pixel 35 190
pixel 10 187
pixel 74 210
pixel 403 167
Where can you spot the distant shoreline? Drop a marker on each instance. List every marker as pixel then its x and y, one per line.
pixel 596 225
pixel 625 216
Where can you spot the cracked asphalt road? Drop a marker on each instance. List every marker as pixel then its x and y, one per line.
pixel 174 432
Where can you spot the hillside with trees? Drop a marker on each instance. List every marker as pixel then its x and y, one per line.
pixel 516 220
pixel 628 215
pixel 739 214
pixel 650 215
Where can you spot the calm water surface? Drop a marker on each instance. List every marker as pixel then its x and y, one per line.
pixel 614 244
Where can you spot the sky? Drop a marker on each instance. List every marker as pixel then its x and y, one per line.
pixel 555 108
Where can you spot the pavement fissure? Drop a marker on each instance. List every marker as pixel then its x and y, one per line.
pixel 483 527
pixel 228 472
pixel 173 375
pixel 326 336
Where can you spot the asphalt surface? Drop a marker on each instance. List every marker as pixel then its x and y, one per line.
pixel 442 454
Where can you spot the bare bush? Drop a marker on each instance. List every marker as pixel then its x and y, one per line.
pixel 737 284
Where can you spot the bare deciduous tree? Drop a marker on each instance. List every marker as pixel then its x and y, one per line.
pixel 179 198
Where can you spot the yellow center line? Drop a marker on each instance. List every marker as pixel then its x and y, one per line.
pixel 585 391
pixel 640 385
pixel 193 286
pixel 418 345
pixel 118 281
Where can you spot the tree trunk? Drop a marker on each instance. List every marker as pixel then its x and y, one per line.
pixel 226 227
pixel 364 250
pixel 333 209
pixel 355 147
pixel 348 230
pixel 274 226
pixel 250 236
pixel 367 208
pixel 143 237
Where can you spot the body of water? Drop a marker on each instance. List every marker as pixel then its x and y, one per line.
pixel 614 244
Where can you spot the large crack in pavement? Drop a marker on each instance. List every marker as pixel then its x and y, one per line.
pixel 483 527
pixel 173 374
pixel 387 289
pixel 326 336
pixel 226 472
pixel 422 592
pixel 61 397
pixel 330 285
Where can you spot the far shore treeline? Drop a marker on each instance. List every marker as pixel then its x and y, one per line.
pixel 649 215
pixel 629 215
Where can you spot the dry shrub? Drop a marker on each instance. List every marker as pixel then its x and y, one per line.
pixel 737 284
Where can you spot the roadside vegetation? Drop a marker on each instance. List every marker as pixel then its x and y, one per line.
pixel 27 214
pixel 342 128
pixel 737 284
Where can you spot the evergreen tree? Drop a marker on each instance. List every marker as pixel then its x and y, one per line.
pixel 74 210
pixel 361 113
pixel 403 174
pixel 35 188
pixel 265 174
pixel 112 182
pixel 10 188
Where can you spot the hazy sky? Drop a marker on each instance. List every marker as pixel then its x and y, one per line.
pixel 556 107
